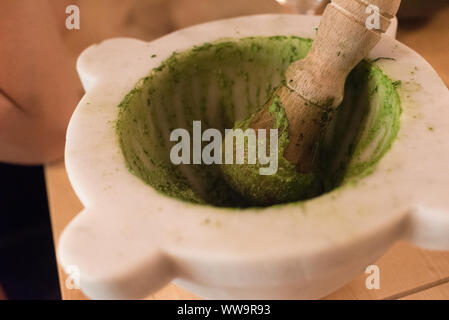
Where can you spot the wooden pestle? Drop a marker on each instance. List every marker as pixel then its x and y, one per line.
pixel 314 87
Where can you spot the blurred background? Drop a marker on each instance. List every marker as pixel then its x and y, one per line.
pixel 27 261
pixel 424 24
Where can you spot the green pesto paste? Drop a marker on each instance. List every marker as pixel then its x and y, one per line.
pixel 265 190
pixel 222 82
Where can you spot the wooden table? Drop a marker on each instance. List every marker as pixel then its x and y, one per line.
pixel 406 272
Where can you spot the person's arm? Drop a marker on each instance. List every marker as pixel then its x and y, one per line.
pixel 38 85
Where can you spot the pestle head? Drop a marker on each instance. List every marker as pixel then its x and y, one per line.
pixel 283 183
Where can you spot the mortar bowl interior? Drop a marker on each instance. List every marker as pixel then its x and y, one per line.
pixel 221 82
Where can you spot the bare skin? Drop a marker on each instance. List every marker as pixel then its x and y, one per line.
pixel 39 88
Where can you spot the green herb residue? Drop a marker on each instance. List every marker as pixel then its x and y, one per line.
pixel 221 82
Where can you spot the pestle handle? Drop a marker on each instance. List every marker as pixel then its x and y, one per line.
pixel 348 31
